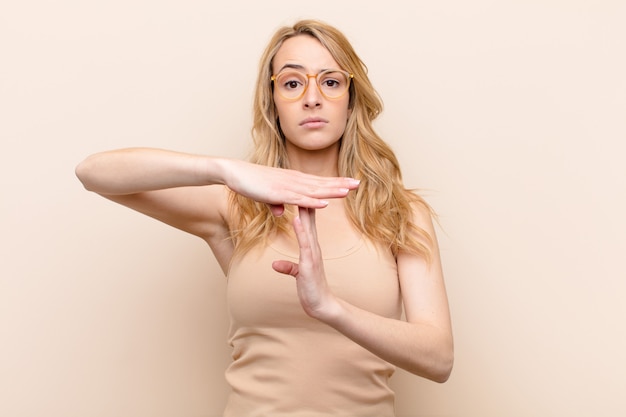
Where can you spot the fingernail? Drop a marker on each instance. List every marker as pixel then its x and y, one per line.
pixel 324 202
pixel 354 181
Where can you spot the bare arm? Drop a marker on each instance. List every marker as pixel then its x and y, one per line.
pixel 172 186
pixel 422 345
pixel 134 170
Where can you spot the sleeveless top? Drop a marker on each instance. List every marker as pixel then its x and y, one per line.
pixel 288 364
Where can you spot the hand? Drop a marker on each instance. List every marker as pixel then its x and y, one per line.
pixel 276 186
pixel 315 296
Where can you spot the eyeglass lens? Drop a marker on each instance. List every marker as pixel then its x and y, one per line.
pixel 293 84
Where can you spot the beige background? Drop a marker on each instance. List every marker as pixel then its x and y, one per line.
pixel 510 114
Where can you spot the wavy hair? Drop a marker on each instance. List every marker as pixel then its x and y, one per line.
pixel 381 208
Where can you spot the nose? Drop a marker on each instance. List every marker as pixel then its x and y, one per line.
pixel 312 95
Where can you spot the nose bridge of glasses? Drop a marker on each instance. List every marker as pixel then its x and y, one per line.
pixel 316 82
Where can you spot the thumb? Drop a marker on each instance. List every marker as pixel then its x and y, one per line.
pixel 277 209
pixel 286 267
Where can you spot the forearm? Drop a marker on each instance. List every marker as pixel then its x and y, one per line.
pixel 421 345
pixel 419 348
pixel 133 170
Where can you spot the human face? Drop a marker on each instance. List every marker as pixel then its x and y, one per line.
pixel 312 122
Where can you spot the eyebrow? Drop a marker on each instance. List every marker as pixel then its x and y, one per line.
pixel 294 66
pixel 297 67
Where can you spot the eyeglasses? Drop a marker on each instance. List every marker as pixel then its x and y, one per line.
pixel 291 84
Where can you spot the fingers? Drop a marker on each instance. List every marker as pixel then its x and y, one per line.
pixel 285 267
pixel 304 227
pixel 277 186
pixel 306 234
pixel 301 226
pixel 335 187
pixel 313 291
pixel 307 220
pixel 312 191
pixel 277 209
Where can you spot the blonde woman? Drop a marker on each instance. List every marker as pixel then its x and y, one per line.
pixel 321 200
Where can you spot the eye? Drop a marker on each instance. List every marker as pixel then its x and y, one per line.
pixel 291 84
pixel 291 81
pixel 331 83
pixel 332 80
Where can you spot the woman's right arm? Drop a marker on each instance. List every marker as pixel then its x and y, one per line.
pixel 171 186
pixel 135 170
pixel 168 186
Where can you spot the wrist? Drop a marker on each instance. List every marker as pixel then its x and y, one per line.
pixel 330 313
pixel 216 170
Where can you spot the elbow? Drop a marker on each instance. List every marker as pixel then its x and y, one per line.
pixel 443 370
pixel 444 359
pixel 439 366
pixel 445 363
pixel 81 173
pixel 437 369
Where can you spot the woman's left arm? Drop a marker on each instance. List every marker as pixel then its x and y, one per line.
pixel 422 344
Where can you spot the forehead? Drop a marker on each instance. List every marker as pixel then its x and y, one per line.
pixel 304 51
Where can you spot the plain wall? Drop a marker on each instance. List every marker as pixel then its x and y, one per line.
pixel 509 115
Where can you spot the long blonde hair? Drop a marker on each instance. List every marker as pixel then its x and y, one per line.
pixel 381 208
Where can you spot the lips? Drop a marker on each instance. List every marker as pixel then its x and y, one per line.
pixel 313 122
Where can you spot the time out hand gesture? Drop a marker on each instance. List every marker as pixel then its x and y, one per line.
pixel 276 186
pixel 315 296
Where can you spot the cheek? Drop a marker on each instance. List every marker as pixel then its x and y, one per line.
pixel 285 119
pixel 344 108
pixel 282 111
pixel 345 113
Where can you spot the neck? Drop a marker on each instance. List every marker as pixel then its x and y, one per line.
pixel 323 162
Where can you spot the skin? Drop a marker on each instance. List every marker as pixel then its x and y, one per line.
pixel 189 192
pixel 312 147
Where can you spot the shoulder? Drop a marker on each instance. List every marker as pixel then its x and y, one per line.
pixel 422 214
pixel 418 232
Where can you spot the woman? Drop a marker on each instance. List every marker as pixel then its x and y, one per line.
pixel 321 200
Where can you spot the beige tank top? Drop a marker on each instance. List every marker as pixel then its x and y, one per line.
pixel 288 364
